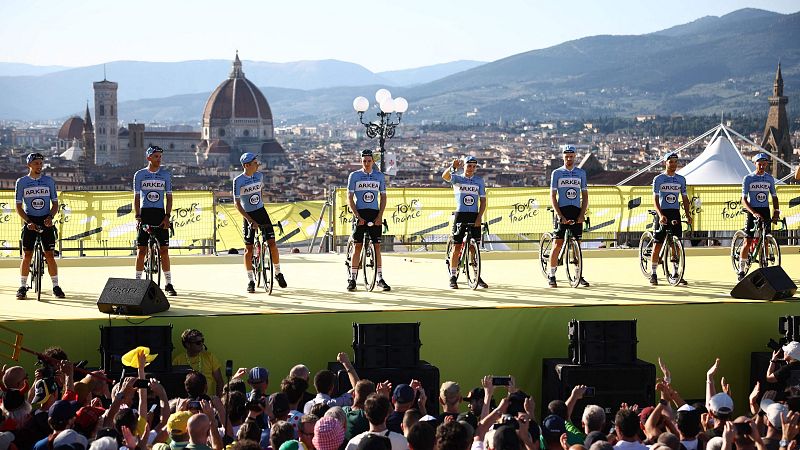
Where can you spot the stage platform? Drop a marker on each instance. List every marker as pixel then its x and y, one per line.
pixel 507 328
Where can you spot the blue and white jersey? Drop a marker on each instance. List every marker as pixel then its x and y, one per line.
pixel 569 184
pixel 670 190
pixel 247 190
pixel 757 189
pixel 367 187
pixel 36 194
pixel 152 187
pixel 467 192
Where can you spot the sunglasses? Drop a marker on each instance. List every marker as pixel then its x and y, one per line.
pixel 198 342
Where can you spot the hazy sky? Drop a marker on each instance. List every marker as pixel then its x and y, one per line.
pixel 378 34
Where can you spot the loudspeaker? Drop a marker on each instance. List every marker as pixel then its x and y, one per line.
pixel 767 283
pixel 391 345
pixel 632 383
pixel 132 297
pixel 602 341
pixel 426 373
pixel 116 341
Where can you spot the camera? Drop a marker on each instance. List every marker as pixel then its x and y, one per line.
pixel 256 401
pixel 195 405
pixel 501 381
pixel 589 392
pixel 774 345
pixel 743 428
pixel 507 420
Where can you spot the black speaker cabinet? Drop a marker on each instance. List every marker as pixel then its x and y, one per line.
pixel 632 383
pixel 132 297
pixel 426 373
pixel 602 341
pixel 116 341
pixel 768 283
pixel 391 345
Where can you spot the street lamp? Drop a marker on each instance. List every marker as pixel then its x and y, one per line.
pixel 384 127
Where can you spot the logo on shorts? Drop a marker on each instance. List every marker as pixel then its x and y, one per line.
pixel 368 197
pixel 153 196
pixel 671 198
pixel 761 197
pixel 469 200
pixel 254 199
pixel 571 194
pixel 37 203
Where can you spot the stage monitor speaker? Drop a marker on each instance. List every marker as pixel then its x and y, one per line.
pixel 426 373
pixel 386 333
pixel 631 383
pixel 116 341
pixel 767 283
pixel 130 297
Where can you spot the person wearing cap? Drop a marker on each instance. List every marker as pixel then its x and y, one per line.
pixel 178 429
pixel 60 416
pixel 569 195
pixel 781 374
pixel 757 187
pixel 404 398
pixel 669 192
pixel 248 187
pixel 366 196
pixel 471 202
pixel 152 204
pixel 37 204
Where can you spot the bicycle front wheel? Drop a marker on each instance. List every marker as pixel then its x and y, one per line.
pixel 472 259
pixel 351 248
pixel 267 269
pixel 448 256
pixel 545 247
pixel 255 260
pixel 674 261
pixel 574 262
pixel 154 262
pixel 646 243
pixel 737 242
pixel 39 271
pixel 773 252
pixel 369 265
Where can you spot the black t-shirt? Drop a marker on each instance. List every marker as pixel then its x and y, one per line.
pixel 394 422
pixel 783 375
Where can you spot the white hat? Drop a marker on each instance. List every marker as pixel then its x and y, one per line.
pixel 686 407
pixel 721 403
pixel 6 438
pixel 792 350
pixel 69 437
pixel 774 412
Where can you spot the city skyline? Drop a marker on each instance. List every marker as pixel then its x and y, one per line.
pixel 175 31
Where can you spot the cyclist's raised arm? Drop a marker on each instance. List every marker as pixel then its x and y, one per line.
pixel 447 175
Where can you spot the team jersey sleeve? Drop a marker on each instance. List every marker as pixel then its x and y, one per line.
pixel 168 184
pixel 53 193
pixel 235 190
pixel 482 189
pixel 584 185
pixel 382 185
pixel 136 183
pixel 655 185
pixel 554 181
pixel 18 191
pixel 351 183
pixel 745 186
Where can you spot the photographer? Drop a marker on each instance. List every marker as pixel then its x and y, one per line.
pixel 780 373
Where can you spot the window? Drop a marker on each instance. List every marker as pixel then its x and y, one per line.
pixel 171 146
pixel 246 133
pixel 221 132
pixel 102 110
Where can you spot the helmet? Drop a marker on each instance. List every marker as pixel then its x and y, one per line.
pixel 671 155
pixel 366 152
pixel 246 158
pixel 153 149
pixel 469 159
pixel 761 157
pixel 567 148
pixel 33 157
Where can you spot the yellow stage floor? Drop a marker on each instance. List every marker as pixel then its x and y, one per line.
pixel 215 285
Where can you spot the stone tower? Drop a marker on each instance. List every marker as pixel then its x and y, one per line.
pixel 88 137
pixel 105 113
pixel 136 159
pixel 776 138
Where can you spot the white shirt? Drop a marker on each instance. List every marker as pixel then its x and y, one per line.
pixel 625 445
pixel 399 441
pixel 345 400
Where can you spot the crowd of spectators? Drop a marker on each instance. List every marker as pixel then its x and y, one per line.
pixel 55 410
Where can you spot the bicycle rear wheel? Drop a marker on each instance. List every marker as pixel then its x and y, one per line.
pixel 545 247
pixel 674 261
pixel 351 248
pixel 573 262
pixel 773 252
pixel 739 239
pixel 369 265
pixel 255 260
pixel 39 264
pixel 448 256
pixel 154 262
pixel 646 243
pixel 267 268
pixel 472 262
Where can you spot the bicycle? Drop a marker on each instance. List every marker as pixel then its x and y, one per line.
pixel 368 260
pixel 37 264
pixel 570 251
pixel 764 249
pixel 470 259
pixel 672 256
pixel 262 261
pixel 152 259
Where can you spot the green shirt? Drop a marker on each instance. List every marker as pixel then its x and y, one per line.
pixel 357 422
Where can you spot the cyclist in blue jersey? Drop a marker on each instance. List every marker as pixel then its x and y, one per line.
pixel 366 196
pixel 669 190
pixel 37 204
pixel 152 203
pixel 470 196
pixel 569 195
pixel 757 188
pixel 247 194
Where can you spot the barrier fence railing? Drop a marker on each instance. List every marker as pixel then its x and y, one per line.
pixel 103 223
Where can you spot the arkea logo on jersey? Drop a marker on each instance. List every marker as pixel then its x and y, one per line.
pixel 469 188
pixel 571 194
pixel 153 184
pixel 670 187
pixel 759 186
pixel 37 191
pixel 367 185
pixel 569 182
pixel 254 199
pixel 153 196
pixel 37 203
pixel 250 189
pixel 368 197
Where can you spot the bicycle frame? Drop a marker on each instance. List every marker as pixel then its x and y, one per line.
pixel 261 260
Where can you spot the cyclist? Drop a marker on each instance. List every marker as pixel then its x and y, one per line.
pixel 37 204
pixel 364 187
pixel 152 203
pixel 247 188
pixel 756 189
pixel 570 209
pixel 470 196
pixel 667 187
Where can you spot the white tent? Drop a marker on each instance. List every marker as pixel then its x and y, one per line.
pixel 74 153
pixel 720 163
